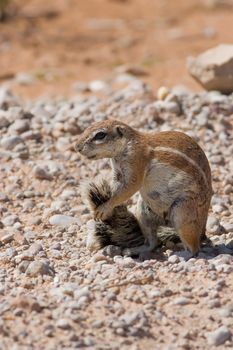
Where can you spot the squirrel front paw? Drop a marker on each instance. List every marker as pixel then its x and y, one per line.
pixel 103 212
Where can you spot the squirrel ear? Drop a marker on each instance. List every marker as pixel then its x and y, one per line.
pixel 120 130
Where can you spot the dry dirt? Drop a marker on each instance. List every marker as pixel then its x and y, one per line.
pixel 62 42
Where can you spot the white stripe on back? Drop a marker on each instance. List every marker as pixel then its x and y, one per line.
pixel 184 156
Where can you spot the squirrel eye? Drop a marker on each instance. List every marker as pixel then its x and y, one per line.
pixel 99 136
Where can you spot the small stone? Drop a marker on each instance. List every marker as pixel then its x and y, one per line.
pixel 56 246
pixel 3 197
pixel 7 97
pixel 35 248
pixel 218 208
pixel 223 259
pixel 88 341
pixel 20 126
pixel 6 237
pixel 49 330
pixel 128 262
pixel 112 250
pixel 181 301
pixel 20 238
pixel 225 312
pixel 68 194
pixel 213 303
pixel 162 93
pixel 99 257
pixel 82 292
pixel 167 106
pixel 4 122
pixel 211 222
pixel 118 259
pixel 173 259
pixel 202 117
pixel 30 236
pixel 11 252
pixel 17 225
pixel 23 266
pixel 224 268
pixel 37 268
pixel 41 173
pixel 25 79
pixel 219 336
pixel 21 151
pixel 228 227
pixel 155 294
pixel 63 220
pixel 98 85
pixel 217 159
pixel 10 220
pixel 10 142
pixel 63 324
pixel 35 220
pixel 131 319
pixel 97 324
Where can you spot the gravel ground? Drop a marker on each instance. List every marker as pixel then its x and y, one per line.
pixel 54 293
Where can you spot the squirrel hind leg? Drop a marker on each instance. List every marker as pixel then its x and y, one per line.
pixel 148 222
pixel 184 217
pixel 203 216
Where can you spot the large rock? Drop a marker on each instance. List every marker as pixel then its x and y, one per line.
pixel 213 69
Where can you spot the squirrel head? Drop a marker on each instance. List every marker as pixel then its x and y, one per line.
pixel 107 139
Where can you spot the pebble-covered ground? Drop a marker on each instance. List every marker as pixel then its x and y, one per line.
pixel 54 293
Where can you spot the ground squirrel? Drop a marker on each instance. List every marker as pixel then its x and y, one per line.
pixel 170 171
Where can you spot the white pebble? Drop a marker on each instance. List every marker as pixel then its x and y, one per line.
pixel 219 336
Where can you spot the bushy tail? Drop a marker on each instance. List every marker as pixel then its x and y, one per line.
pixel 122 229
pixel 96 193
